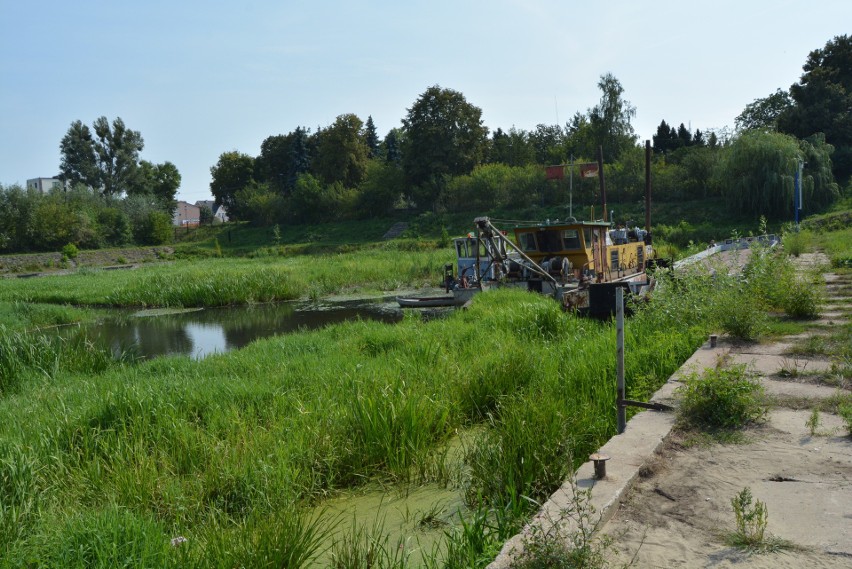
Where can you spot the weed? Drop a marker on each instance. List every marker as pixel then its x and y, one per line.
pixel 552 548
pixel 845 412
pixel 721 399
pixel 813 421
pixel 751 518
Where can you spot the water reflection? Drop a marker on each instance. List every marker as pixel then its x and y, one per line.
pixel 202 332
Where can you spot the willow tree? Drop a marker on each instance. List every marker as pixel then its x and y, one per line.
pixel 759 173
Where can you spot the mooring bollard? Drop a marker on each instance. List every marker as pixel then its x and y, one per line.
pixel 600 465
pixel 713 338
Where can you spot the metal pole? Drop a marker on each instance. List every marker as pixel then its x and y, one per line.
pixel 601 178
pixel 571 188
pixel 648 186
pixel 796 185
pixel 619 341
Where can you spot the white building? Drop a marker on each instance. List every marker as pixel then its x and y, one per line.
pixel 43 185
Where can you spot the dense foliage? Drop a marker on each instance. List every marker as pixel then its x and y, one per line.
pixel 32 221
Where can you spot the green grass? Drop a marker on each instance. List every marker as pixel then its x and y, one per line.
pixel 217 282
pixel 178 447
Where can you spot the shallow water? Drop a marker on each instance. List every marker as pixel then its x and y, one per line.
pixel 200 332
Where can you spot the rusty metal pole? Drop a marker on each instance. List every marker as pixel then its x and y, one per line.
pixel 648 185
pixel 619 340
pixel 601 179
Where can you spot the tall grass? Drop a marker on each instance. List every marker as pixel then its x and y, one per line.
pixel 218 282
pixel 215 450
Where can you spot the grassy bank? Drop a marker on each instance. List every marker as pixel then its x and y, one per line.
pixel 219 282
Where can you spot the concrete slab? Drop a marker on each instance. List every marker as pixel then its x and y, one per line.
pixel 768 364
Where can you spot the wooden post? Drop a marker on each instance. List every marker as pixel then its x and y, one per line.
pixel 619 327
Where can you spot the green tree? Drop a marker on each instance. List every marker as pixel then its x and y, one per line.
pixel 79 162
pixel 300 158
pixel 275 161
pixel 764 113
pixel 393 152
pixel 610 119
pixel 381 189
pixel 548 143
pixel 371 138
pixel 823 101
pixel 342 152
pixel 233 172
pixel 444 136
pixel 759 172
pixel 160 181
pixel 117 148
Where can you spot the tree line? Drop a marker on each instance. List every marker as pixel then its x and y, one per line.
pixel 444 158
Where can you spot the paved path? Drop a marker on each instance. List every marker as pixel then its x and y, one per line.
pixel 666 501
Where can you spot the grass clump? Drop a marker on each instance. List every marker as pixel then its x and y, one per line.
pixel 722 398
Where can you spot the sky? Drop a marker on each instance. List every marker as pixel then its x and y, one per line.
pixel 199 78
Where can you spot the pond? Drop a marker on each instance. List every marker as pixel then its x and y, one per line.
pixel 200 332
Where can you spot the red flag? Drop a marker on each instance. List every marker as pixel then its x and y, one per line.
pixel 589 170
pixel 555 172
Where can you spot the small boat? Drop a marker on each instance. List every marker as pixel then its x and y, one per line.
pixel 427 301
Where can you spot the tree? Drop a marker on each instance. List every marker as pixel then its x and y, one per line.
pixel 610 119
pixel 342 152
pixel 79 163
pixel 823 99
pixel 393 153
pixel 759 172
pixel 763 113
pixel 444 136
pixel 371 138
pixel 547 141
pixel 161 181
pixel 275 161
pixel 299 156
pixel 233 172
pixel 117 148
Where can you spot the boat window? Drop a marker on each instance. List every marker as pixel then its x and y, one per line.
pixel 460 249
pixel 528 241
pixel 549 241
pixel 613 259
pixel 587 235
pixel 571 239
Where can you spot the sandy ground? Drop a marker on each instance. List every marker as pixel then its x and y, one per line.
pixel 679 512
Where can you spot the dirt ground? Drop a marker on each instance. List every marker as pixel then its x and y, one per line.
pixel 679 512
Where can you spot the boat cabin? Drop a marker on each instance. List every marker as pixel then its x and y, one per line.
pixel 585 248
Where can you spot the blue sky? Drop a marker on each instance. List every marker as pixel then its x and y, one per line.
pixel 201 78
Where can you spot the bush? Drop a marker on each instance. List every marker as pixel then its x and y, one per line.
pixel 70 251
pixel 721 398
pixel 154 229
pixel 742 315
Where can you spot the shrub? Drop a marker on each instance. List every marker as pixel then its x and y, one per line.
pixel 742 315
pixel 721 398
pixel 70 251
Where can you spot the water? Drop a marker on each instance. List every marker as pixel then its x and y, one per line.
pixel 199 333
